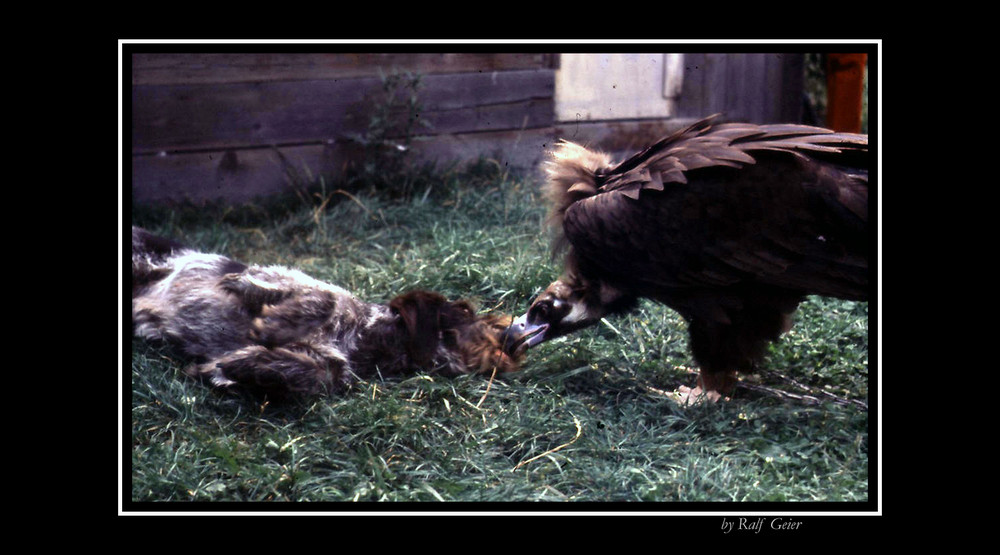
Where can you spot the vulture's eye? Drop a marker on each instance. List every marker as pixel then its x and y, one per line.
pixel 540 311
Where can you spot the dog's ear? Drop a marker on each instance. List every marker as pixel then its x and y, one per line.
pixel 456 314
pixel 420 313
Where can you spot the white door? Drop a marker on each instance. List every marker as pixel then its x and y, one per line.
pixel 595 87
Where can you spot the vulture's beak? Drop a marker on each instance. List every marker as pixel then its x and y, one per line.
pixel 521 335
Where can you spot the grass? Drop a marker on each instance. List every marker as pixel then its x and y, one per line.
pixel 588 420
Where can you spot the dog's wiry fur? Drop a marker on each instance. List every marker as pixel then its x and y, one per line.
pixel 276 331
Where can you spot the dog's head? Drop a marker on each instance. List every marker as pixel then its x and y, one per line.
pixel 448 335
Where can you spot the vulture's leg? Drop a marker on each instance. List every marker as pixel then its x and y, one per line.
pixel 722 349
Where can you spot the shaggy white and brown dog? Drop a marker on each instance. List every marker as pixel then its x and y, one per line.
pixel 278 332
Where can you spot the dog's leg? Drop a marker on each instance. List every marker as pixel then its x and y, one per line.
pixel 253 293
pixel 279 373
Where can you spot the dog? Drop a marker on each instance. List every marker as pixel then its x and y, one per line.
pixel 277 332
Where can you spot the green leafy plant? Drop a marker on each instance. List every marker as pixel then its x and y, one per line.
pixel 394 119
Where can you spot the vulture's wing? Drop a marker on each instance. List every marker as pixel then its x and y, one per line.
pixel 781 205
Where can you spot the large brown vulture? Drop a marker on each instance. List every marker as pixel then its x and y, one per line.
pixel 732 225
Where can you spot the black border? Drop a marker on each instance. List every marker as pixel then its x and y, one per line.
pixel 703 517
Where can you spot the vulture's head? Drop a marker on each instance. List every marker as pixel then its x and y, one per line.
pixel 565 306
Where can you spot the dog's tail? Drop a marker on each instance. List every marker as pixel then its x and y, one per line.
pixel 149 255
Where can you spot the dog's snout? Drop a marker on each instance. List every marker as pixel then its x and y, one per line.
pixel 510 336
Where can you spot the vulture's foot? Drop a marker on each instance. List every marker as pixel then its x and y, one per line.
pixel 712 387
pixel 690 396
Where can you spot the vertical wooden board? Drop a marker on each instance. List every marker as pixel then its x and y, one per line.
pixel 774 88
pixel 715 83
pixel 756 93
pixel 706 89
pixel 793 81
pixel 738 86
pixel 758 87
pixel 691 102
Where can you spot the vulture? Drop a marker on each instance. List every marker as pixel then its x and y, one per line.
pixel 731 225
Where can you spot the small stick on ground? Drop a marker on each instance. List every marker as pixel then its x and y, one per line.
pixel 489 384
pixel 579 432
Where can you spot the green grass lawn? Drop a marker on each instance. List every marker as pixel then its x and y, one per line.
pixel 588 419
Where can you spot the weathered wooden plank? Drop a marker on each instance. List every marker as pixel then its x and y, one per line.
pixel 748 90
pixel 758 87
pixel 166 68
pixel 239 175
pixel 199 176
pixel 207 116
pixel 774 88
pixel 527 114
pixel 467 90
pixel 691 101
pixel 226 115
pixel 793 78
pixel 715 83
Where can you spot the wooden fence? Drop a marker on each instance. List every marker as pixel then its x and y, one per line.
pixel 234 125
